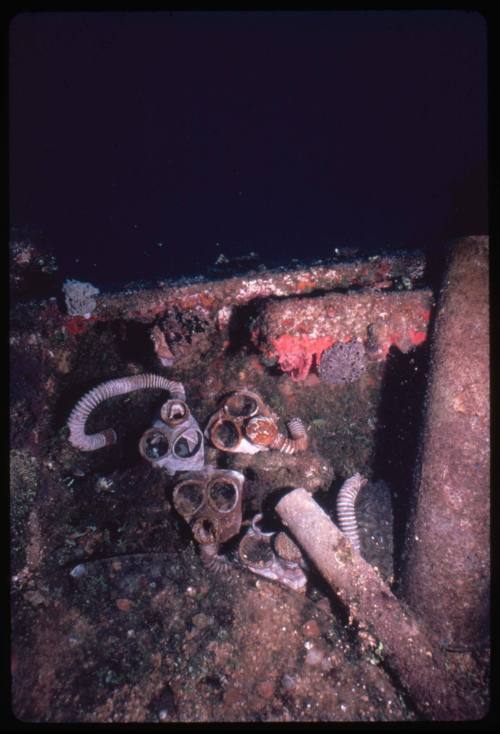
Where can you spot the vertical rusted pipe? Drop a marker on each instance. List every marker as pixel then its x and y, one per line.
pixel 446 575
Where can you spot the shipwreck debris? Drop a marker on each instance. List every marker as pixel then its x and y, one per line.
pixel 408 648
pixel 295 332
pixel 447 571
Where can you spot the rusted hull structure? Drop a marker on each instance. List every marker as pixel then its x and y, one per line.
pixel 215 298
pixel 295 332
pixel 447 574
pixel 285 329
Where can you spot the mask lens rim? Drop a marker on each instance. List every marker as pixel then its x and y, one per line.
pixel 231 405
pixel 143 444
pixel 195 450
pixel 177 498
pixel 181 409
pixel 214 432
pixel 213 503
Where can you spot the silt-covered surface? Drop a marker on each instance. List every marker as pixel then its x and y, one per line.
pixel 141 631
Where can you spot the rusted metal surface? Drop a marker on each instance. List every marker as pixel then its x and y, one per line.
pixel 184 315
pixel 296 331
pixel 448 558
pixel 217 298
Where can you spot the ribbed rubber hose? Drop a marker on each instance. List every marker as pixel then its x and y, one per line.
pixel 298 440
pixel 121 386
pixel 346 511
pixel 213 561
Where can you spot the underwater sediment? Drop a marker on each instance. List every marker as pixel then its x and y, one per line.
pixel 115 616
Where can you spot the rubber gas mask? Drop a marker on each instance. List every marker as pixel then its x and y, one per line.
pixel 174 442
pixel 243 423
pixel 210 502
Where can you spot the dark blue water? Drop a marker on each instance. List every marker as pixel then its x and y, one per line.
pixel 144 145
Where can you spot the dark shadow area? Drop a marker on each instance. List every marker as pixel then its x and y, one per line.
pixel 468 212
pixel 401 412
pixel 135 345
pixel 240 326
pixel 327 500
pixel 398 432
pixel 436 259
pixel 272 520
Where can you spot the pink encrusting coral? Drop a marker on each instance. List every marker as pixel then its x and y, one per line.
pixel 296 354
pixel 295 332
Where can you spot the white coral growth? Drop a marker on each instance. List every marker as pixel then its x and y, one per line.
pixel 79 297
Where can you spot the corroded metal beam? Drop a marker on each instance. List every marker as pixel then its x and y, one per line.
pixel 447 570
pixel 218 297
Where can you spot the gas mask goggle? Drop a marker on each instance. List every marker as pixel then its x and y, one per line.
pixel 210 502
pixel 243 423
pixel 272 555
pixel 174 442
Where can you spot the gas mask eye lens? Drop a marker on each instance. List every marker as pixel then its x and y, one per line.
pixel 241 406
pixel 188 444
pixel 188 498
pixel 226 434
pixel 223 496
pixel 155 445
pixel 182 448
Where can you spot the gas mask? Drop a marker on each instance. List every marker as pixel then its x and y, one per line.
pixel 243 423
pixel 210 502
pixel 273 556
pixel 174 442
